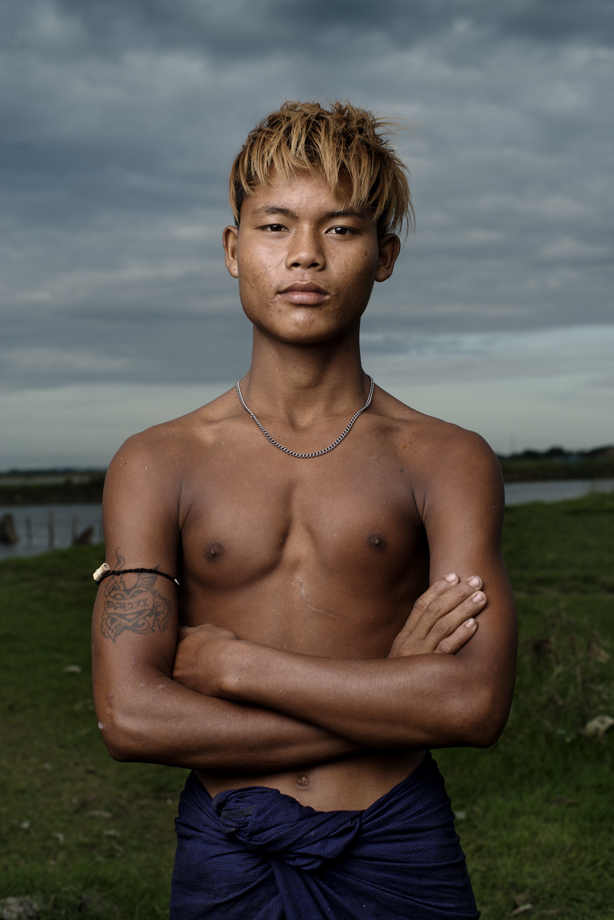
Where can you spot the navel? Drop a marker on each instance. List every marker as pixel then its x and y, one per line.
pixel 214 552
pixel 303 780
pixel 377 542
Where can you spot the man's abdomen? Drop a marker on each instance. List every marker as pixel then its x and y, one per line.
pixel 350 784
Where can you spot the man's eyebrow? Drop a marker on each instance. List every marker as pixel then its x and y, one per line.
pixel 271 209
pixel 348 212
pixel 275 209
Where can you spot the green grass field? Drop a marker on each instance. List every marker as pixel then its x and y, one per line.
pixel 90 838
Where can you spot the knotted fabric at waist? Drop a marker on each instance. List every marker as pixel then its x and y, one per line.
pixel 269 823
pixel 256 854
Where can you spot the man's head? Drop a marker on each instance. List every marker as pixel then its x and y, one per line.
pixel 336 144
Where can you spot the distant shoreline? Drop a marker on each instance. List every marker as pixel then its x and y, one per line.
pixel 75 488
pixel 49 490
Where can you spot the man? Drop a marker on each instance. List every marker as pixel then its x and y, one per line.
pixel 330 544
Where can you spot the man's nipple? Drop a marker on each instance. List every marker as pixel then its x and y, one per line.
pixel 377 542
pixel 214 552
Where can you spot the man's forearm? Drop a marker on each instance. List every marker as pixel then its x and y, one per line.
pixel 420 701
pixel 440 684
pixel 157 720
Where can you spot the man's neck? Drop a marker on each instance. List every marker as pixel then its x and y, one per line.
pixel 301 384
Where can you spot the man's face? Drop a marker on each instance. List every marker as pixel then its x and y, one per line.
pixel 306 263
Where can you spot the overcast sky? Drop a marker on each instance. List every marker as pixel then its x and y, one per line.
pixel 120 119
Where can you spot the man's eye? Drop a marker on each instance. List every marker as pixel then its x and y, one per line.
pixel 274 228
pixel 340 231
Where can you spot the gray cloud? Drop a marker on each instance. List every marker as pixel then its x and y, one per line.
pixel 120 119
pixel 255 27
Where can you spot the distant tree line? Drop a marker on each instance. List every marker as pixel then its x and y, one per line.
pixel 558 463
pixel 50 487
pixel 560 454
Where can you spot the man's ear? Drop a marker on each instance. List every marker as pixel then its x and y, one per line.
pixel 229 241
pixel 389 249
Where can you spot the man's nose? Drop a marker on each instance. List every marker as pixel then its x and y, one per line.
pixel 305 250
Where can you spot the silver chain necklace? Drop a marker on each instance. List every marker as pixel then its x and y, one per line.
pixel 317 453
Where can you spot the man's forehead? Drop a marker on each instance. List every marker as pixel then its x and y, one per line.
pixel 304 191
pixel 272 209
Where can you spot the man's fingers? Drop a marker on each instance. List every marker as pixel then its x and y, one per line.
pixel 425 600
pixel 442 634
pixel 440 637
pixel 438 613
pixel 435 604
pixel 435 590
pixel 453 643
pixel 442 586
pixel 469 608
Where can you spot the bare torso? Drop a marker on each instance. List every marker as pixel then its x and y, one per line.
pixel 321 566
pixel 323 557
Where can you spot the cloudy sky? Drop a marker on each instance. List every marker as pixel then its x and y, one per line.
pixel 120 119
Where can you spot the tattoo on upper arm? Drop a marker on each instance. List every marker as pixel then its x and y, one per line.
pixel 131 604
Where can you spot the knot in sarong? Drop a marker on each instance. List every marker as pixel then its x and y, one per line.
pixel 269 823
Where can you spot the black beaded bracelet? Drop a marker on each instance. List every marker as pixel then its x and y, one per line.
pixel 105 570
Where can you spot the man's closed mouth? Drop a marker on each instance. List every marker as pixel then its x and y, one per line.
pixel 304 292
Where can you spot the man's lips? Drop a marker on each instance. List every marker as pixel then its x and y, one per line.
pixel 304 292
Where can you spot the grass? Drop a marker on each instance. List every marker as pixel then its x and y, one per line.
pixel 87 836
pixel 539 805
pixel 90 838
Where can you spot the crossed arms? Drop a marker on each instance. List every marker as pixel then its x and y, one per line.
pixel 216 702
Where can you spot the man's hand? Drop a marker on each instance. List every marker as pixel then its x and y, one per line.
pixel 442 619
pixel 199 655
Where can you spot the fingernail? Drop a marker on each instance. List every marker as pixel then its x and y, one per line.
pixel 475 582
pixel 478 597
pixel 452 577
pixel 469 623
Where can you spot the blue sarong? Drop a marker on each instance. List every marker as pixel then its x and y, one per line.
pixel 256 854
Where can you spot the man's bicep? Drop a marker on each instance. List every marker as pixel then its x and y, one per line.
pixel 141 507
pixel 136 606
pixel 463 520
pixel 137 611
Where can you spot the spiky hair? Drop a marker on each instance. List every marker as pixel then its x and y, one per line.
pixel 332 143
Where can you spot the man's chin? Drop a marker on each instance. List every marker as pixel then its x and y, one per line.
pixel 305 331
pixel 303 337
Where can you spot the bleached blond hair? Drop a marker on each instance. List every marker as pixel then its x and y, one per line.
pixel 332 143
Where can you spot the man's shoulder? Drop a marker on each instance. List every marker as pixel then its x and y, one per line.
pixel 177 435
pixel 431 436
pixel 450 466
pixel 165 454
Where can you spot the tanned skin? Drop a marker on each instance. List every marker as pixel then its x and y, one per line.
pixel 322 647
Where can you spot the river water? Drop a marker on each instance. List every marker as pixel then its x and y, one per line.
pixel 520 493
pixel 44 527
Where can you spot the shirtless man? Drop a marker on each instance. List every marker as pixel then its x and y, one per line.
pixel 327 604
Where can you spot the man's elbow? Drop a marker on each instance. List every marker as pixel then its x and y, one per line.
pixel 486 719
pixel 120 744
pixel 126 737
pixel 485 733
pixel 118 751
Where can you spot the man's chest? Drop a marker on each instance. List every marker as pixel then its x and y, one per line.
pixel 243 521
